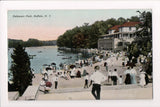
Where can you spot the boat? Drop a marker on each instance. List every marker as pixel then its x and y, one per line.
pixel 67 57
pixel 31 56
pixel 39 51
pixel 59 55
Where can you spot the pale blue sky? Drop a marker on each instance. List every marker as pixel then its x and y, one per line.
pixel 61 19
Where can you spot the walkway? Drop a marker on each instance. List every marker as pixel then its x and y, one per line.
pixel 107 93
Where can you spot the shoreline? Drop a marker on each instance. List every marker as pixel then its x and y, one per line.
pixel 36 46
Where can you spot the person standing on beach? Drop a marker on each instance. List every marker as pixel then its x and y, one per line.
pixel 55 79
pixel 128 79
pixel 120 80
pixel 86 62
pixel 142 78
pixel 114 77
pixel 106 67
pixel 78 75
pixel 86 80
pixel 91 62
pixel 117 57
pixel 133 74
pixel 109 75
pixel 73 73
pixel 33 74
pixel 96 78
pixel 81 64
pixel 66 67
pixel 46 76
pixel 43 84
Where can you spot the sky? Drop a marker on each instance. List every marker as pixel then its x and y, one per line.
pixel 49 24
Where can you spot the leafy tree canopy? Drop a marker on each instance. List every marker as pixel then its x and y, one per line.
pixel 90 33
pixel 143 42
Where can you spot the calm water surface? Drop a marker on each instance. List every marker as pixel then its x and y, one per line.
pixel 45 55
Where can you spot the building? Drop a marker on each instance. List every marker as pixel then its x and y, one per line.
pixel 119 36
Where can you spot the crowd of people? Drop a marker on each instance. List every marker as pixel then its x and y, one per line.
pixel 51 74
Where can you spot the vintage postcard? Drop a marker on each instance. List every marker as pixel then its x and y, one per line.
pixel 78 52
pixel 73 54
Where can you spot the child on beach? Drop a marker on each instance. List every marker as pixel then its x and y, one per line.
pixel 86 80
pixel 120 80
pixel 33 74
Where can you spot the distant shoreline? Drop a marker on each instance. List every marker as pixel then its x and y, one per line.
pixel 36 46
pixel 30 43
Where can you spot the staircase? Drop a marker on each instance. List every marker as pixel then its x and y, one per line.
pixel 104 87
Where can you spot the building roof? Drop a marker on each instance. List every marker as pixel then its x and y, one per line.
pixel 127 24
pixel 130 24
pixel 115 27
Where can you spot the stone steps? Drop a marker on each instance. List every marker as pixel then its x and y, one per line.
pixel 104 87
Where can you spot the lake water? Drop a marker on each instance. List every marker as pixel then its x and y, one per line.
pixel 45 55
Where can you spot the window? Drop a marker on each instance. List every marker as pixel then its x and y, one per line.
pixel 129 28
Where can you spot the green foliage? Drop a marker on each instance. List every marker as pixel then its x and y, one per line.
pixel 121 20
pixel 78 40
pixel 140 46
pixel 20 69
pixel 134 19
pixel 149 66
pixel 86 34
pixel 13 43
pixel 30 42
pixel 145 25
pixel 143 42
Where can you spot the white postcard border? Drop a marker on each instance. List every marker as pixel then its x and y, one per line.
pixel 52 5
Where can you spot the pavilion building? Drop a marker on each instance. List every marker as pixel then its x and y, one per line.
pixel 119 36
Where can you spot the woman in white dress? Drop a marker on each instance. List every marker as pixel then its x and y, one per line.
pixel 142 78
pixel 133 74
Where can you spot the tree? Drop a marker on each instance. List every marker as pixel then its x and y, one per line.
pixel 91 33
pixel 121 20
pixel 79 40
pixel 143 42
pixel 134 19
pixel 33 42
pixel 20 69
pixel 145 25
